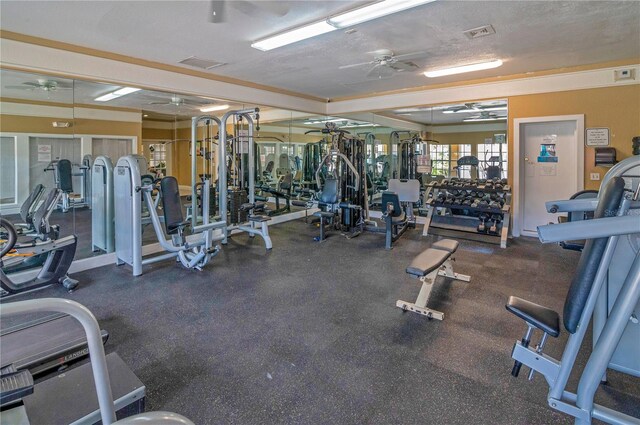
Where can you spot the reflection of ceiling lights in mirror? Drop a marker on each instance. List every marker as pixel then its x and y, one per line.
pixel 116 94
pixel 346 19
pixel 484 119
pixel 213 108
pixel 462 69
pixel 475 110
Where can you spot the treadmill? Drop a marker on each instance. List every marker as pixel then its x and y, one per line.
pixel 44 344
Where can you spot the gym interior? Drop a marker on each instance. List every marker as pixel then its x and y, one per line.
pixel 320 212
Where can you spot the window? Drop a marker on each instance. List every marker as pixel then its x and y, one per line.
pixel 440 162
pixel 494 154
pixel 457 152
pixel 158 156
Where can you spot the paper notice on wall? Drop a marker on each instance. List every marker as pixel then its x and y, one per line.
pixel 548 151
pixel 548 170
pixel 44 153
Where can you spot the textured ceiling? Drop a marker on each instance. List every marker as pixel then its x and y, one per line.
pixel 530 36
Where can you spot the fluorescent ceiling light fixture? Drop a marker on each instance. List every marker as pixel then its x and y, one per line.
pixel 292 36
pixel 116 94
pixel 214 108
pixel 484 119
pixel 475 110
pixel 346 19
pixel 462 69
pixel 373 11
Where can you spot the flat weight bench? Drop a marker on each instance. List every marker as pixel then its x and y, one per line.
pixel 431 263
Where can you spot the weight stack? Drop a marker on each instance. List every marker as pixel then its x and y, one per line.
pixel 237 197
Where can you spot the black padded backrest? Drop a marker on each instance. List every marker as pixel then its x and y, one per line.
pixel 285 183
pixel 329 194
pixel 391 198
pixel 269 167
pixel 608 204
pixel 28 203
pixel 468 160
pixel 41 215
pixel 579 215
pixel 171 205
pixel 492 172
pixel 65 170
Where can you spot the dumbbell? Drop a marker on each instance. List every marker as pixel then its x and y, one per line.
pixel 482 227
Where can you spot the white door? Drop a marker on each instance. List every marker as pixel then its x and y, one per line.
pixel 550 169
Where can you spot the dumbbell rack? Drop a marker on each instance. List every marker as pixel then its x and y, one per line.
pixel 442 221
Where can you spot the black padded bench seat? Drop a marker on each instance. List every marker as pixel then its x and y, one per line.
pixel 325 214
pixel 448 245
pixel 536 315
pixel 259 218
pixel 428 261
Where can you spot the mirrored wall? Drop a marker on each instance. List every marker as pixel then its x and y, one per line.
pixel 57 134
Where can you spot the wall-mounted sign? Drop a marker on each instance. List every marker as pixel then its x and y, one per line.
pixel 597 137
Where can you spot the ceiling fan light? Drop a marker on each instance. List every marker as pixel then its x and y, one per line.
pixel 373 11
pixel 213 108
pixel 465 68
pixel 294 35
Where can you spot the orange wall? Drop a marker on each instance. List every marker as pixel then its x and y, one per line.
pixel 617 108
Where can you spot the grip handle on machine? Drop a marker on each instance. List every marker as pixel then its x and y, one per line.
pixel 298 203
pixel 347 205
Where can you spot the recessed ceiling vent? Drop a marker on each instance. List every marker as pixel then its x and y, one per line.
pixel 201 63
pixel 479 32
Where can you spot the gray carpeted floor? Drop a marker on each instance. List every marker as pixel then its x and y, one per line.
pixel 309 333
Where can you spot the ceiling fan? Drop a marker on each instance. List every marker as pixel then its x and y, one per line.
pixel 42 84
pixel 485 116
pixel 475 107
pixel 218 8
pixel 386 63
pixel 178 102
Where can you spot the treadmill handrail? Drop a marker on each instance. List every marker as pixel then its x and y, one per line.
pixel 94 342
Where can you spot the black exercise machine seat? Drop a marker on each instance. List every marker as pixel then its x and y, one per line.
pixel 428 261
pixel 173 219
pixel 397 214
pixel 448 245
pixel 541 317
pixel 65 171
pixel 583 279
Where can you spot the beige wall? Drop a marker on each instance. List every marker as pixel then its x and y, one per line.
pixel 617 108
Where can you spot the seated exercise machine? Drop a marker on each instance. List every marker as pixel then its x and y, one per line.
pixel 397 208
pixel 283 191
pixel 612 249
pixel 94 392
pixel 19 259
pixel 63 174
pixel 193 251
pixel 427 266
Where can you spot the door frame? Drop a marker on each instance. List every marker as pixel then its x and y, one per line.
pixel 518 163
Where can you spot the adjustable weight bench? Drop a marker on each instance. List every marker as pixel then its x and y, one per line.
pixel 427 266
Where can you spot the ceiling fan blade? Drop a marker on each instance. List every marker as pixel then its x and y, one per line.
pixel 403 66
pixel 410 56
pixel 354 65
pixel 34 85
pixel 159 103
pixel 217 11
pixel 20 87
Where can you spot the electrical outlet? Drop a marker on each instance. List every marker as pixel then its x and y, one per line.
pixel 595 176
